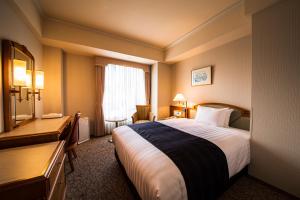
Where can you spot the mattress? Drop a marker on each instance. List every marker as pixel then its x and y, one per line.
pixel 155 176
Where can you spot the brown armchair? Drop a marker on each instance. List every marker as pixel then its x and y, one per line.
pixel 143 114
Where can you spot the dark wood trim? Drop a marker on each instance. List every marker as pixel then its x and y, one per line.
pixel 58 151
pixel 28 140
pixel 6 63
pixel 29 188
pixel 244 112
pixel 65 125
pixel 7 47
pixel 29 135
pixel 20 47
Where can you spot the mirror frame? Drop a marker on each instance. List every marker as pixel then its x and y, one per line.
pixel 7 47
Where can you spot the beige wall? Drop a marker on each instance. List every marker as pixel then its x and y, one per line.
pixel 30 14
pixel 164 90
pixel 154 89
pixel 13 27
pixel 53 68
pixel 275 96
pixel 160 89
pixel 79 86
pixel 231 75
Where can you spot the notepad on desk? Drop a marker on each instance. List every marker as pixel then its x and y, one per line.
pixel 52 115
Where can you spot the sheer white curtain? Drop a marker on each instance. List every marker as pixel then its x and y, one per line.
pixel 124 89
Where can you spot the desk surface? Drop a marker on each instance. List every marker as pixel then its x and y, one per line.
pixel 27 162
pixel 37 127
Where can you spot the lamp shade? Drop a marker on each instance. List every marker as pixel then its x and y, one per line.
pixel 19 72
pixel 179 97
pixel 39 79
pixel 28 78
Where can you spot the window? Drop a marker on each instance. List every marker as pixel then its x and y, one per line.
pixel 124 89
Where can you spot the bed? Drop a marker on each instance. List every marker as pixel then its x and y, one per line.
pixel 156 175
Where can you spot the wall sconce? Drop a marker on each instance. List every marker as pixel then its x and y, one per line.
pixel 28 78
pixel 39 80
pixel 19 77
pixel 39 83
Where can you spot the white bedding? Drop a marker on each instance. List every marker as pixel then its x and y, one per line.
pixel 155 176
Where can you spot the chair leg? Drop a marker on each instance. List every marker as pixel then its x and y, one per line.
pixel 70 160
pixel 74 153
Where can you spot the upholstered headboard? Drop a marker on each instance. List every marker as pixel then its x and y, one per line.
pixel 240 117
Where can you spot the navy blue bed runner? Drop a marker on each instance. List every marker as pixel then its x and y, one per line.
pixel 202 164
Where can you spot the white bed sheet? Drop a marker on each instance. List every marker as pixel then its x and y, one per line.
pixel 155 176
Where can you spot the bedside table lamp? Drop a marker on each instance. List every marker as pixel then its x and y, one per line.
pixel 181 99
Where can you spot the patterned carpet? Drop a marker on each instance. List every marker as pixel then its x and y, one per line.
pixel 97 175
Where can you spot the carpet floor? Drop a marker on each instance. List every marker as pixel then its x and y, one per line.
pixel 98 175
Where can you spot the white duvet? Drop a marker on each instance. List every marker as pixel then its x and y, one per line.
pixel 155 176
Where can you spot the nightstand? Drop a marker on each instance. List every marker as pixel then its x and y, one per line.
pixel 171 117
pixel 185 112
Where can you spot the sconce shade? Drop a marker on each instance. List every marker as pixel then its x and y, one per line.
pixel 39 79
pixel 179 97
pixel 19 72
pixel 28 78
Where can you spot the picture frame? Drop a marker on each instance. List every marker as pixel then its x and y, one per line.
pixel 201 76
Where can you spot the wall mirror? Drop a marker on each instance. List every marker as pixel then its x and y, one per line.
pixel 18 80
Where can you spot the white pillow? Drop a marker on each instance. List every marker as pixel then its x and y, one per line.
pixel 223 117
pixel 211 116
pixel 227 114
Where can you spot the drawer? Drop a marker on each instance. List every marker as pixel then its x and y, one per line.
pixel 59 189
pixel 42 168
pixel 56 167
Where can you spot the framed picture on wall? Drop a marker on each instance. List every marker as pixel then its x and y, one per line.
pixel 201 76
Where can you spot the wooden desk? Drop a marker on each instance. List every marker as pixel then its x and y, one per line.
pixel 37 131
pixel 33 172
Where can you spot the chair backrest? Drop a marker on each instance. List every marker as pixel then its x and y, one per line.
pixel 73 135
pixel 143 111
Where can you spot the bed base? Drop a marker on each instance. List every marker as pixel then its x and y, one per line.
pixel 132 188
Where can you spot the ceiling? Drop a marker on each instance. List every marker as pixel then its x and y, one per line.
pixel 90 51
pixel 155 22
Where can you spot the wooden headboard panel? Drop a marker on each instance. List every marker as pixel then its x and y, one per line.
pixel 244 112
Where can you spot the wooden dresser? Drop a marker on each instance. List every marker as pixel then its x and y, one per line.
pixel 33 172
pixel 35 132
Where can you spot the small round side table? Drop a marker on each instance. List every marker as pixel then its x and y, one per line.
pixel 116 121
